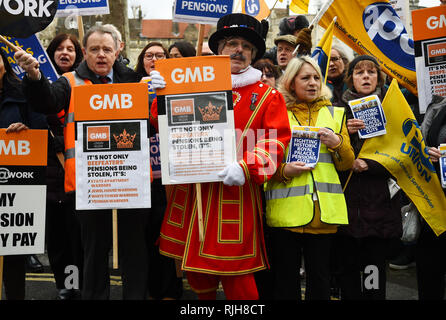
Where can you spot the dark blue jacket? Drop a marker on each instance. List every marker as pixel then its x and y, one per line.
pixel 14 108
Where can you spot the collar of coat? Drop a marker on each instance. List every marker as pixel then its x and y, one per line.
pixel 313 106
pixel 248 76
pixel 121 73
pixel 351 94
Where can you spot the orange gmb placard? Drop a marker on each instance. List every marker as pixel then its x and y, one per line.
pixel 111 101
pixel 429 23
pixel 25 148
pixel 195 74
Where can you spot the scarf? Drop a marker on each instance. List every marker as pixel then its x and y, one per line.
pixel 246 77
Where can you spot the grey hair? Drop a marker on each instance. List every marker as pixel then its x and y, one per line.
pixel 222 42
pixel 342 53
pixel 103 30
pixel 115 30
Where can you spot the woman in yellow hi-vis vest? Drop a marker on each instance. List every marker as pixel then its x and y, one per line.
pixel 304 205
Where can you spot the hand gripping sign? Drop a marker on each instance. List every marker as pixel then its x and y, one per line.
pixel 23 18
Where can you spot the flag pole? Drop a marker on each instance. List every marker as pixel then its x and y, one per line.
pixel 115 238
pixel 9 44
pixel 80 28
pixel 198 185
pixel 329 54
pixel 348 180
pixel 200 212
pixel 200 39
pixel 316 19
pixel 271 10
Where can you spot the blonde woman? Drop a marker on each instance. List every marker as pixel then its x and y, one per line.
pixel 305 205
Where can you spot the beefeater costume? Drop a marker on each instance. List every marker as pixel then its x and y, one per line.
pixel 233 245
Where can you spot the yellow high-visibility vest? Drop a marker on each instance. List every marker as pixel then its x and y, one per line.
pixel 292 204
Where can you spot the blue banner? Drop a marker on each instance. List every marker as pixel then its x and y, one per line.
pixel 201 11
pixel 82 7
pixel 32 46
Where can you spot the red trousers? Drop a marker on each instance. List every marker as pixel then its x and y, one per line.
pixel 238 287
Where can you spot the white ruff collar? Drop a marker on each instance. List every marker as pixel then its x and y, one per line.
pixel 246 77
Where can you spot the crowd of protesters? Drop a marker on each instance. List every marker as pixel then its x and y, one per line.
pixel 337 217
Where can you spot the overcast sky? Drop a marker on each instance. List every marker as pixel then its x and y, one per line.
pixel 162 9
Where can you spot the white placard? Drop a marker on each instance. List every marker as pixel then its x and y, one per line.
pixel 112 165
pixel 22 219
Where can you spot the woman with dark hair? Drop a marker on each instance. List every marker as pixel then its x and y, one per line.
pixel 374 215
pixel 181 49
pixel 270 73
pixel 146 59
pixel 15 115
pixel 163 282
pixel 65 52
pixel 63 231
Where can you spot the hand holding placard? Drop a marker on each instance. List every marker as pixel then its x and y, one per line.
pixel 28 63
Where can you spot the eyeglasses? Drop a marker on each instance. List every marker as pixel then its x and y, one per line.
pixel 335 59
pixel 236 43
pixel 158 56
pixel 267 75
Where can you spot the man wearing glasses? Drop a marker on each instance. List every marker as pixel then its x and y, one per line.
pixel 101 49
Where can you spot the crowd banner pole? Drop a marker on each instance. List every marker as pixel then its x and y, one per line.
pixel 115 238
pixel 9 44
pixel 348 180
pixel 80 27
pixel 316 19
pixel 271 10
pixel 1 276
pixel 198 185
pixel 200 39
pixel 199 211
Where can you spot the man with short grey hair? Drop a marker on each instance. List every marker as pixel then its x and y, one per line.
pixel 99 66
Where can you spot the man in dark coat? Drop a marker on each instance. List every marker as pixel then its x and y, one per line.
pixel 101 49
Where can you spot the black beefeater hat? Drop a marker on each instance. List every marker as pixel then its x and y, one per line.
pixel 239 25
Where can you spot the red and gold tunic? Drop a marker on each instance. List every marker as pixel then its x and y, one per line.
pixel 233 237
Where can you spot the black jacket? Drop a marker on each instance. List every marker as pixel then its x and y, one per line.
pixel 52 98
pixel 14 108
pixel 371 211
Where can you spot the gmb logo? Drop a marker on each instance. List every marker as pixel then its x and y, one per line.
pixel 252 7
pixel 387 32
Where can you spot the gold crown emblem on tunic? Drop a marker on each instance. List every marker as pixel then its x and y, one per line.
pixel 210 112
pixel 124 139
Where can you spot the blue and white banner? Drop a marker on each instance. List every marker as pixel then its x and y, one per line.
pixel 82 7
pixel 32 46
pixel 201 11
pixel 369 110
pixel 304 146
